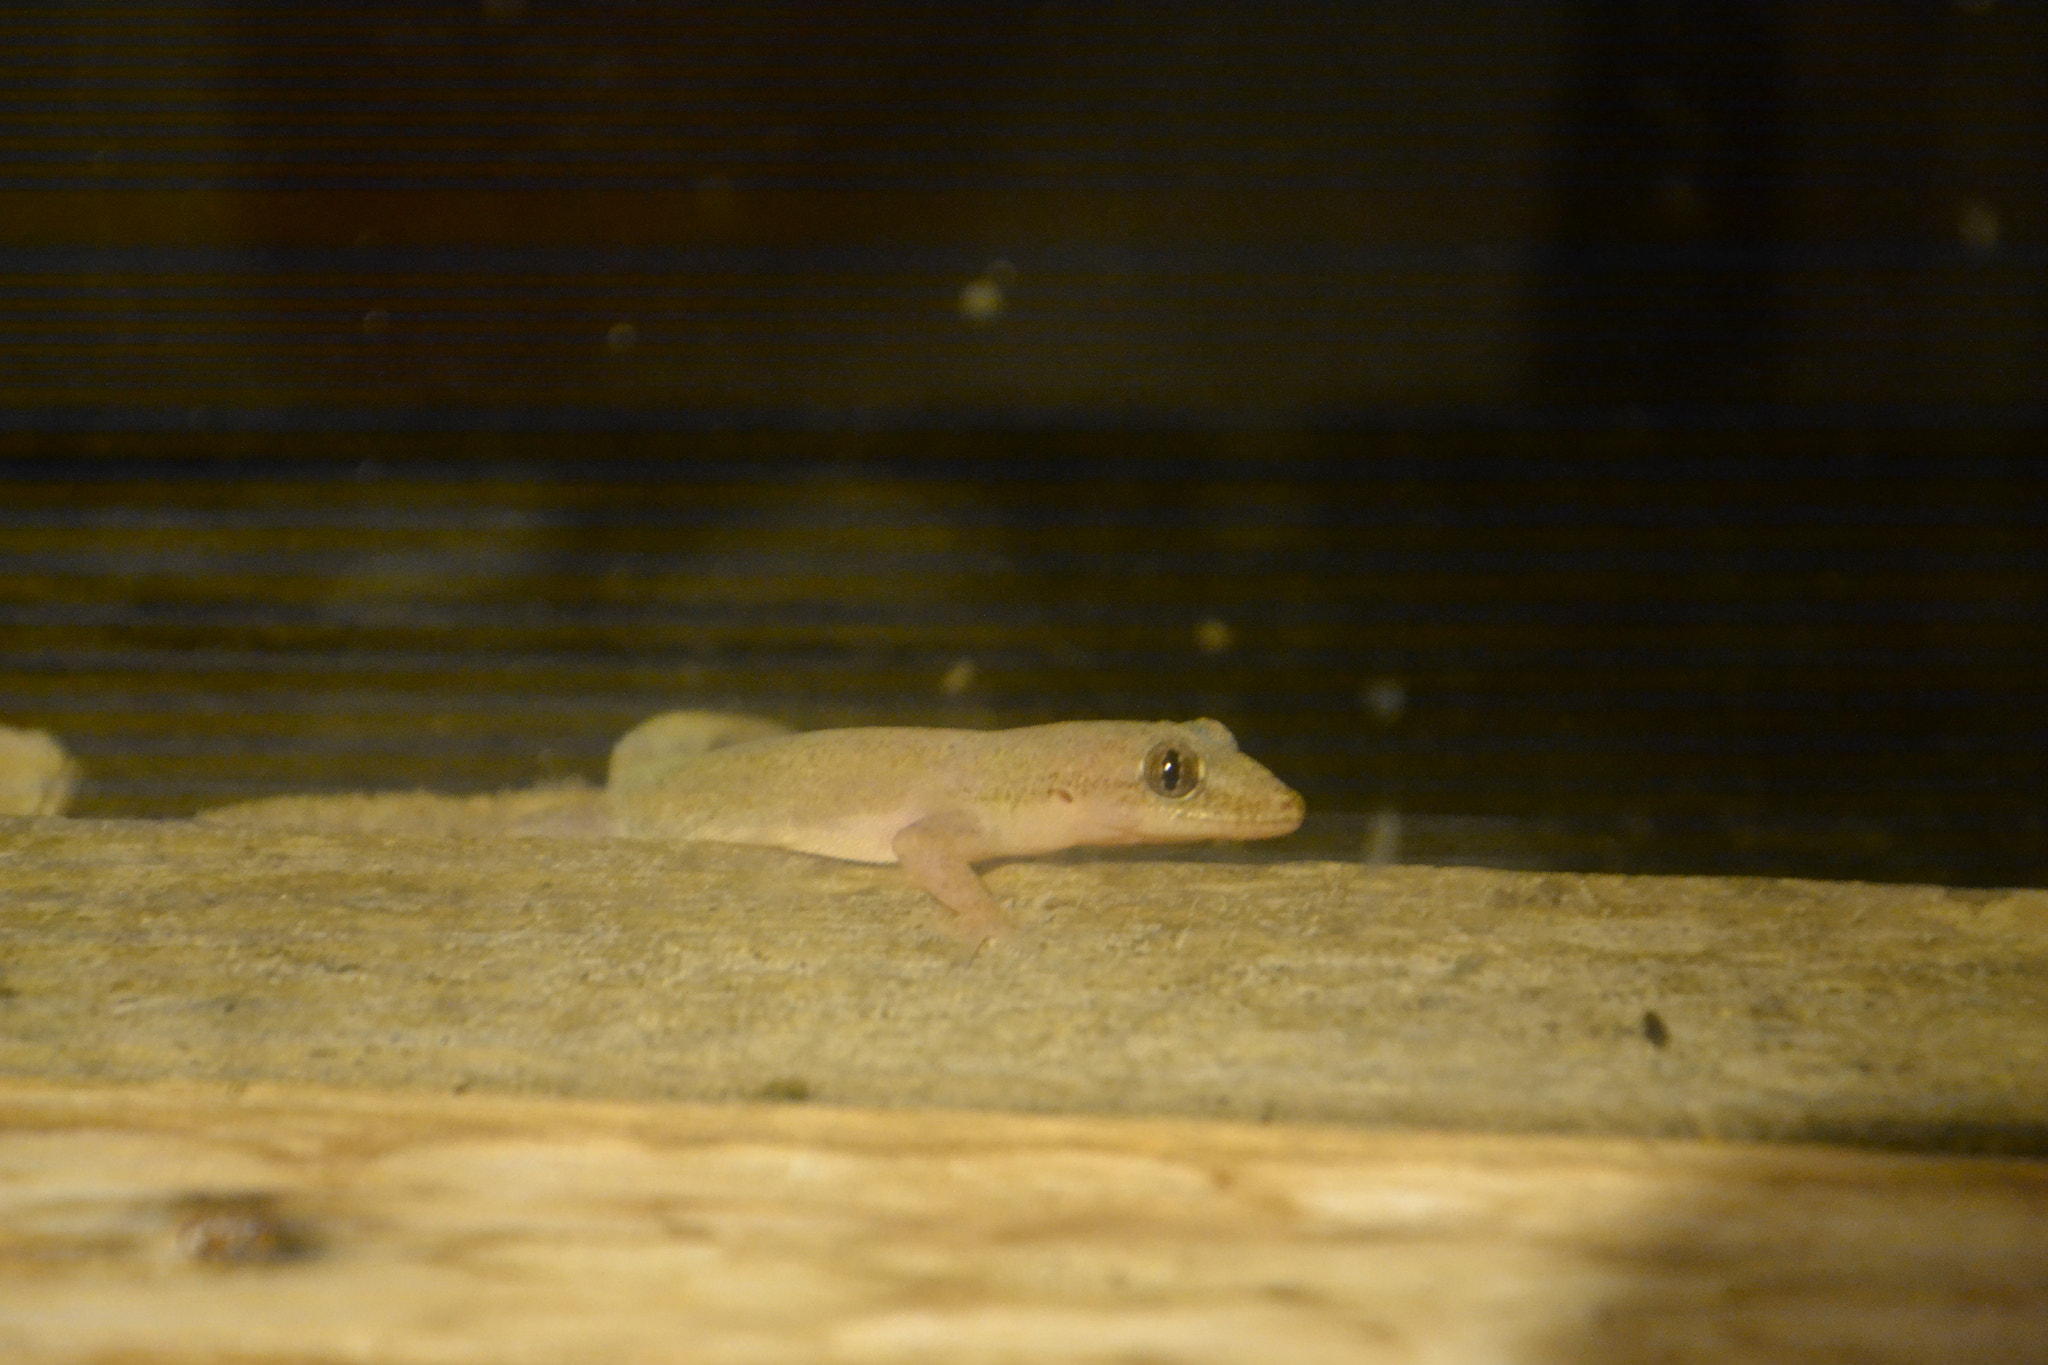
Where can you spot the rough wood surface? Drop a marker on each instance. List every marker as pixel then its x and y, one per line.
pixel 190 1224
pixel 1898 1015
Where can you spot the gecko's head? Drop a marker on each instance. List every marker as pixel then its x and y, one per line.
pixel 1191 782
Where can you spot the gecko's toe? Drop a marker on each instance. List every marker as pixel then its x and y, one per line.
pixel 980 942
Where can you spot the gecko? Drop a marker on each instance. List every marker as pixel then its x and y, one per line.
pixel 938 801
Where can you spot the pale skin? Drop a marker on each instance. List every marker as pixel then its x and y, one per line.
pixel 937 802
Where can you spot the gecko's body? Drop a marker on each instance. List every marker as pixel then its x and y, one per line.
pixel 939 801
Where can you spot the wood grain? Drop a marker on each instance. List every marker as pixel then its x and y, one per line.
pixel 1899 1016
pixel 196 1223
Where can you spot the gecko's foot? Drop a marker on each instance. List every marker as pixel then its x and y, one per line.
pixel 980 939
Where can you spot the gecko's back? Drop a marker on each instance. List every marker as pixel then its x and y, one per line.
pixel 849 793
pixel 824 791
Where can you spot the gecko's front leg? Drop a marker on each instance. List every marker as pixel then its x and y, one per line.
pixel 939 852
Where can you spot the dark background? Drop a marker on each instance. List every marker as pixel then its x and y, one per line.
pixel 1573 435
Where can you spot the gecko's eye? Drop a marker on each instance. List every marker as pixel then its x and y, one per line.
pixel 1173 770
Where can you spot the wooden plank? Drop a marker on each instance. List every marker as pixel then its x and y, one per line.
pixel 1888 1015
pixel 181 1223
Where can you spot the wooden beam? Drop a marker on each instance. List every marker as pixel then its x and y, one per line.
pixel 1901 1016
pixel 184 1223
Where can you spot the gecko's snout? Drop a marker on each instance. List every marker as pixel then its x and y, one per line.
pixel 1294 810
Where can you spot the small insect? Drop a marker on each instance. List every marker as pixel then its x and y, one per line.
pixel 1654 1030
